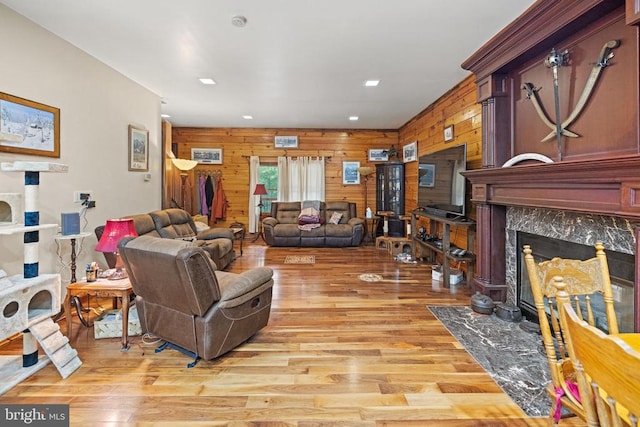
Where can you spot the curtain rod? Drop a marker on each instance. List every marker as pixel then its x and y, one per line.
pixel 244 156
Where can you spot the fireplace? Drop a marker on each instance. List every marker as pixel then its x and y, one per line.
pixel 590 190
pixel 621 268
pixel 570 235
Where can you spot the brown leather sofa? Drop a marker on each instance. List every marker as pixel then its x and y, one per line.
pixel 281 228
pixel 178 224
pixel 183 299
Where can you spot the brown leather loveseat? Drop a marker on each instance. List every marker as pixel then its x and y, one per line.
pixel 183 299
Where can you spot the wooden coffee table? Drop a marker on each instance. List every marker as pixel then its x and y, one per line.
pixel 101 288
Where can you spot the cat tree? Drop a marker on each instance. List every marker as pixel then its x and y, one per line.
pixel 29 300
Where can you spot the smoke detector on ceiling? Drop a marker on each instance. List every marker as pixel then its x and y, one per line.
pixel 239 21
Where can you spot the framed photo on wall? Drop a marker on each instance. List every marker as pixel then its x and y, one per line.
pixel 207 156
pixel 410 152
pixel 286 142
pixel 350 173
pixel 378 155
pixel 138 149
pixel 448 133
pixel 28 127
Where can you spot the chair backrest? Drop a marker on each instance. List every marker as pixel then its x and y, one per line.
pixel 608 369
pixel 347 209
pixel 171 273
pixel 144 225
pixel 173 223
pixel 582 279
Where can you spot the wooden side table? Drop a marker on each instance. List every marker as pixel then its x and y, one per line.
pixel 238 234
pixel 101 288
pixel 370 231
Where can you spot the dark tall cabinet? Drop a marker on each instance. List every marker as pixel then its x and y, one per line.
pixel 390 195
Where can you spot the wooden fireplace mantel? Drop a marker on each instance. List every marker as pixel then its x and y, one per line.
pixel 605 186
pixel 599 173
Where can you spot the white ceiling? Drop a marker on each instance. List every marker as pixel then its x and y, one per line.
pixel 297 63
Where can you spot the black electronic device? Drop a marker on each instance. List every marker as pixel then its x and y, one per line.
pixel 441 186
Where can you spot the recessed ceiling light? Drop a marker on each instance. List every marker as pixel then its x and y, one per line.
pixel 165 116
pixel 371 83
pixel 247 117
pixel 207 81
pixel 353 118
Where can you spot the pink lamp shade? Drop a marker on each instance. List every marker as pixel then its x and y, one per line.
pixel 114 231
pixel 260 190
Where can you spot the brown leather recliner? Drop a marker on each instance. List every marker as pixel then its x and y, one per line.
pixel 184 300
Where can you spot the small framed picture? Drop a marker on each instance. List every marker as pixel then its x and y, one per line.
pixel 378 155
pixel 410 152
pixel 426 175
pixel 350 174
pixel 448 133
pixel 286 142
pixel 28 127
pixel 207 156
pixel 138 149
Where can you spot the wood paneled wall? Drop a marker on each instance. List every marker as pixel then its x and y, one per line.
pixel 238 144
pixel 457 108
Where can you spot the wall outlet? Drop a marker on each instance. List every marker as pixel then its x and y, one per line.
pixel 80 196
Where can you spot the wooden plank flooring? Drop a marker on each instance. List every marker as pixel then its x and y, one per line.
pixel 337 352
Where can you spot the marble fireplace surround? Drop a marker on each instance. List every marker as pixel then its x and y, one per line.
pixel 617 234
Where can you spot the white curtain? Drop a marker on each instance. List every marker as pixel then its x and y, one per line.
pixel 300 178
pixel 254 175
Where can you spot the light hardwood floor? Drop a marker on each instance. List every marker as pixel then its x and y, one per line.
pixel 338 351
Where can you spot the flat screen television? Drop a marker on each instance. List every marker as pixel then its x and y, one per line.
pixel 441 186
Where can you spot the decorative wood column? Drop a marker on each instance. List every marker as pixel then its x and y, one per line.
pixel 496 149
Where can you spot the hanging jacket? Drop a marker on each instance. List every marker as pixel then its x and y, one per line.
pixel 219 208
pixel 203 196
pixel 208 190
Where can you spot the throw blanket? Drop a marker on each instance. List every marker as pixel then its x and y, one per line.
pixel 309 219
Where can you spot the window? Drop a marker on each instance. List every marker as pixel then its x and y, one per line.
pixel 268 175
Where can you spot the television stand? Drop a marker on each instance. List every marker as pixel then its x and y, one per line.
pixel 444 246
pixel 434 212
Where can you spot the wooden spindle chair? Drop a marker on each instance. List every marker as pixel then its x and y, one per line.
pixel 608 369
pixel 582 279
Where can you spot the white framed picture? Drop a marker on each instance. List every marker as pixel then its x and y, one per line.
pixel 448 133
pixel 350 174
pixel 207 156
pixel 410 152
pixel 286 142
pixel 378 155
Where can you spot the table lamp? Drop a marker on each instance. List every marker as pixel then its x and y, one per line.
pixel 183 165
pixel 260 190
pixel 114 231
